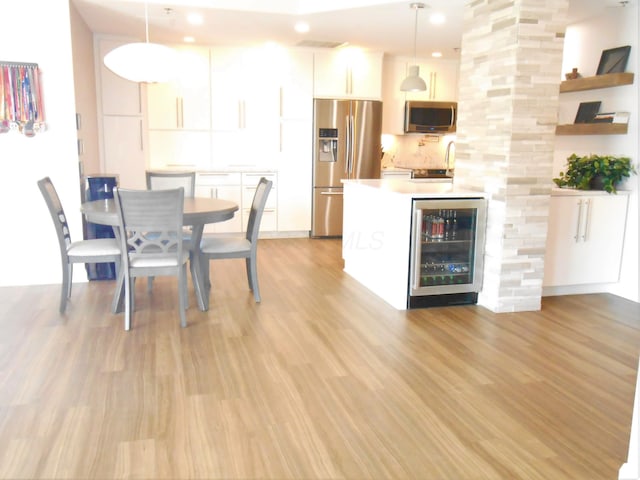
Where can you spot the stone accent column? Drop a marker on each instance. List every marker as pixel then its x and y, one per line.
pixel 510 71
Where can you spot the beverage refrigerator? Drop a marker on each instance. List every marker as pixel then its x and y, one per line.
pixel 447 249
pixel 346 145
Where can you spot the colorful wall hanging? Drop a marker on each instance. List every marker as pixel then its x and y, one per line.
pixel 21 106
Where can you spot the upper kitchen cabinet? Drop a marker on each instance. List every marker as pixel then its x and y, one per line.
pixel 441 77
pixel 295 79
pixel 348 73
pixel 245 106
pixel 117 95
pixel 184 103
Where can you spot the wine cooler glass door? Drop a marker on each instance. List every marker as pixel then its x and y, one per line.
pixel 447 246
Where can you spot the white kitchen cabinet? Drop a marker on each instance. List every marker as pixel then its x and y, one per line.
pixel 348 73
pixel 584 238
pixel 296 135
pixel 183 103
pixel 226 186
pixel 441 77
pixel 117 95
pixel 179 148
pixel 121 107
pixel 294 177
pixel 245 103
pixel 295 79
pixel 269 222
pixel 124 153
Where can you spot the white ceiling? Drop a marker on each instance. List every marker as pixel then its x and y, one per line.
pixel 380 25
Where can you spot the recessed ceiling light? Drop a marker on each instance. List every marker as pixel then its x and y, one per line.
pixel 437 18
pixel 436 54
pixel 195 19
pixel 301 27
pixel 189 39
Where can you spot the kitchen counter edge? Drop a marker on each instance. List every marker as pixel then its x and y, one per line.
pixel 416 189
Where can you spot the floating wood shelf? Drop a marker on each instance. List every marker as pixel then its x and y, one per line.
pixel 599 81
pixel 592 129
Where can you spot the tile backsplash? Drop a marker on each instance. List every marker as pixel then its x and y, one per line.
pixel 418 151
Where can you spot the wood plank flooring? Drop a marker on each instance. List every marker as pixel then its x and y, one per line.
pixel 322 380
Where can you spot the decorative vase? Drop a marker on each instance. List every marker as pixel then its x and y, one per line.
pixel 597 183
pixel 572 75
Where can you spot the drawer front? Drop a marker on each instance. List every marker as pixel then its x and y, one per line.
pixel 269 222
pixel 218 178
pixel 252 178
pixel 249 192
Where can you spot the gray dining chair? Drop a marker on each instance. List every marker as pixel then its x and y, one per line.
pixel 162 253
pixel 99 250
pixel 164 180
pixel 219 247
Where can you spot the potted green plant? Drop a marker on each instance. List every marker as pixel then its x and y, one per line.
pixel 595 172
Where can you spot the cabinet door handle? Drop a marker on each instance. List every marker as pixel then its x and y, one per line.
pixel 241 114
pixel 578 221
pixel 434 82
pixel 587 218
pixel 181 112
pixel 141 138
pixel 177 112
pixel 349 85
pixel 415 248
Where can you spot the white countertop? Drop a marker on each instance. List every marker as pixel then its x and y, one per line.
pixel 566 192
pixel 220 169
pixel 418 188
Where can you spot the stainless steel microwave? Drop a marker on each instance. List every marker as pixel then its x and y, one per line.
pixel 430 117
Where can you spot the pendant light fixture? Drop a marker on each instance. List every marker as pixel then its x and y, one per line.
pixel 142 61
pixel 413 82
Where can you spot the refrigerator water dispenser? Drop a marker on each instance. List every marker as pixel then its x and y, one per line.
pixel 328 144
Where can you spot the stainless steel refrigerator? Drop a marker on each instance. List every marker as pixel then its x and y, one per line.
pixel 346 145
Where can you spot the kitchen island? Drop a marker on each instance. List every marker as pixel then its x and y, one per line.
pixel 377 231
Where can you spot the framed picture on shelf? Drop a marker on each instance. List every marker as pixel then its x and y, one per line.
pixel 613 60
pixel 587 112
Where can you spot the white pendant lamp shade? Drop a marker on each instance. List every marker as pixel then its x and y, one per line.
pixel 142 62
pixel 413 82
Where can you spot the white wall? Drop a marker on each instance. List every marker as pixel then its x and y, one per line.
pixel 38 31
pixel 584 44
pixel 85 92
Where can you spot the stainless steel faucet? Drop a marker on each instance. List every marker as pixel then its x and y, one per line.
pixel 446 155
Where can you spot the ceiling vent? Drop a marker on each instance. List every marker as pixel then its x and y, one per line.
pixel 320 44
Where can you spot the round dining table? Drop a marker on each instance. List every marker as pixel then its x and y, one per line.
pixel 197 212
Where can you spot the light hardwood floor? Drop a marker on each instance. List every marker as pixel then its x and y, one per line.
pixel 322 380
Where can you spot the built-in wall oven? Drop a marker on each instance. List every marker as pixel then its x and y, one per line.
pixel 447 249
